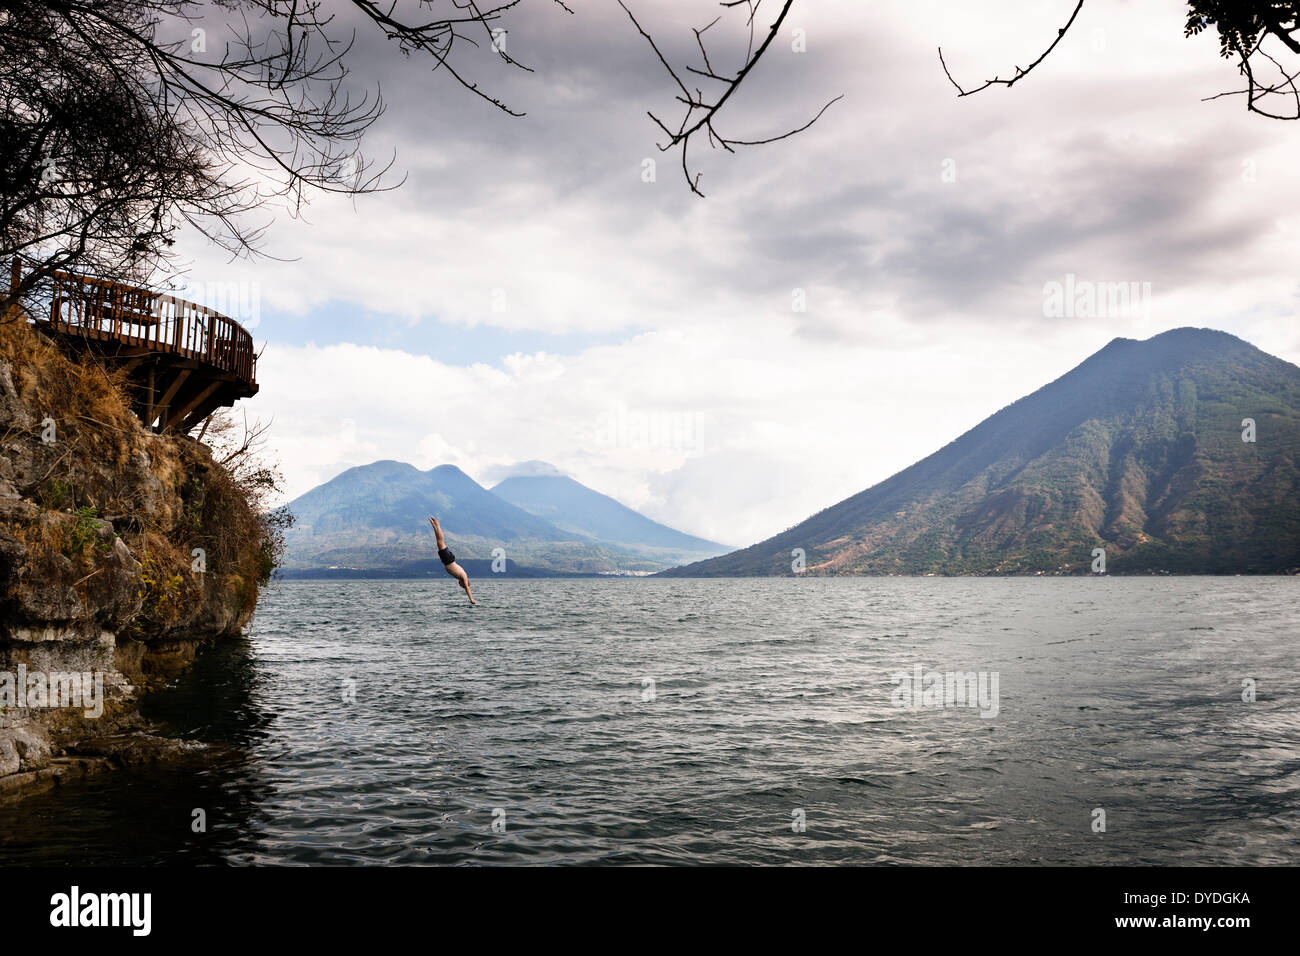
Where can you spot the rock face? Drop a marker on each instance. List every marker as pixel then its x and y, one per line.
pixel 121 552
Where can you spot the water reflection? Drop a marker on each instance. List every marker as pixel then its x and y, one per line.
pixel 152 815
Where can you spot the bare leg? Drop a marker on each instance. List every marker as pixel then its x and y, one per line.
pixel 456 571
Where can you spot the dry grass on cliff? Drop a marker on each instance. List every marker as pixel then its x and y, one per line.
pixel 84 399
pixel 96 433
pixel 197 502
pixel 75 536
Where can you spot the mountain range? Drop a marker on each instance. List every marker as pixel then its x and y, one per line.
pixel 1177 454
pixel 576 508
pixel 373 519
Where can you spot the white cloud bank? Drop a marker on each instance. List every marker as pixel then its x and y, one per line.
pixel 738 413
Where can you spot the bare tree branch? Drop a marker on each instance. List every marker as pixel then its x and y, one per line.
pixel 1243 27
pixel 702 110
pixel 119 126
pixel 1020 73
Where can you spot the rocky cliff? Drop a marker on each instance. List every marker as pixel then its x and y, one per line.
pixel 121 552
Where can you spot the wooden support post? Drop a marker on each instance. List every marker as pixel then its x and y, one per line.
pixel 148 418
pixel 166 401
pixel 190 405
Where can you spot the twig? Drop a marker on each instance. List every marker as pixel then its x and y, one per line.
pixel 701 111
pixel 1020 74
pixel 56 463
pixel 87 577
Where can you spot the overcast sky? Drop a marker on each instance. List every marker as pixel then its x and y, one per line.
pixel 842 303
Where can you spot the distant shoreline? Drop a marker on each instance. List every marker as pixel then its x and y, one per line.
pixel 476 568
pixel 521 573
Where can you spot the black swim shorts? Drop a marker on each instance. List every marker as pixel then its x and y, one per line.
pixel 446 555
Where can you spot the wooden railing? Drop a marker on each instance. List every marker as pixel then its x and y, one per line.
pixel 140 317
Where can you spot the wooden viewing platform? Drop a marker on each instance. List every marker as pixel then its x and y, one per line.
pixel 183 361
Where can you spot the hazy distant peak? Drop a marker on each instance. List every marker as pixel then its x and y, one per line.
pixel 522 469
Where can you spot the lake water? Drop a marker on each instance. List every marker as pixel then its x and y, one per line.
pixel 728 721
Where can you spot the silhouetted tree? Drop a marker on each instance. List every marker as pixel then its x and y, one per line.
pixel 125 119
pixel 1244 26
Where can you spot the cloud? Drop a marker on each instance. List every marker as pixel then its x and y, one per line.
pixel 843 303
